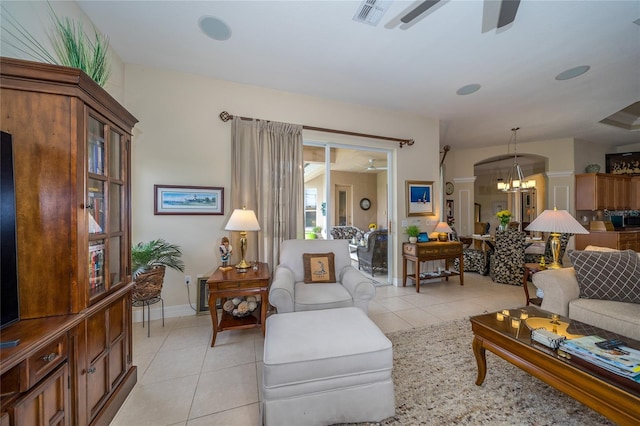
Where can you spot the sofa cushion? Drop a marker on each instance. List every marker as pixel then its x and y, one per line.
pixel 618 317
pixel 319 268
pixel 310 297
pixel 607 275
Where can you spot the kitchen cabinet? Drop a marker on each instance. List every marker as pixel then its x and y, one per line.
pixel 599 191
pixel 624 240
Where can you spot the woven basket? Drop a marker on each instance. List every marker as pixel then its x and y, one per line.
pixel 148 285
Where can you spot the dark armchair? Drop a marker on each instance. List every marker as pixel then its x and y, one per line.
pixel 374 255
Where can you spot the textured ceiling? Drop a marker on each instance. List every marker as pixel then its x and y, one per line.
pixel 315 48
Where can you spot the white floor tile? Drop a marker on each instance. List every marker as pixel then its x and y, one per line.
pixel 183 381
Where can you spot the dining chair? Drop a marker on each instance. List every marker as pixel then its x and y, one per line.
pixel 476 256
pixel 548 255
pixel 507 261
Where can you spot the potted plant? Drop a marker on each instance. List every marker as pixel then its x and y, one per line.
pixel 413 231
pixel 154 254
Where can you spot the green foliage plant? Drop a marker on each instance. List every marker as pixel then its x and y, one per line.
pixel 72 47
pixel 146 256
pixel 413 230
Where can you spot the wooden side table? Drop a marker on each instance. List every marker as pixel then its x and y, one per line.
pixel 226 284
pixel 421 252
pixel 530 269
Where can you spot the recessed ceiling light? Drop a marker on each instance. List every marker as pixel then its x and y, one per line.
pixel 214 27
pixel 573 72
pixel 468 89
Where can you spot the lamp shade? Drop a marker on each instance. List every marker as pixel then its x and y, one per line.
pixel 443 228
pixel 243 220
pixel 556 221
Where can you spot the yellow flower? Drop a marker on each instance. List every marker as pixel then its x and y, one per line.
pixel 503 214
pixel 373 226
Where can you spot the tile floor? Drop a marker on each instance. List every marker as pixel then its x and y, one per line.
pixel 183 381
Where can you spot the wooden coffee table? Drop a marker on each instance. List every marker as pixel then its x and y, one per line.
pixel 613 396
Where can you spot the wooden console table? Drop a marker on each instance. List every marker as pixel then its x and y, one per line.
pixel 232 283
pixel 436 250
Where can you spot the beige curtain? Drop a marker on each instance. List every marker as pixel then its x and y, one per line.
pixel 267 177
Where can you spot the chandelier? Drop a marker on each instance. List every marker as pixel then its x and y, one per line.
pixel 515 180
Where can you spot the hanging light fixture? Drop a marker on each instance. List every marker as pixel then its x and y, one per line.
pixel 515 180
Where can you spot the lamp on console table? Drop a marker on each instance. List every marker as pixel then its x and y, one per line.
pixel 443 231
pixel 556 222
pixel 243 220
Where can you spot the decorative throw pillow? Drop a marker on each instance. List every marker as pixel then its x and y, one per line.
pixel 319 268
pixel 607 275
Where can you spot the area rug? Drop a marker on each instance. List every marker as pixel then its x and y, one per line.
pixel 434 374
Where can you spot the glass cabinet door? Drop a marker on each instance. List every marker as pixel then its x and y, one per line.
pixel 105 206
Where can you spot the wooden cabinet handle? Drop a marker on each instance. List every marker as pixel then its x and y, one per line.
pixel 91 370
pixel 49 358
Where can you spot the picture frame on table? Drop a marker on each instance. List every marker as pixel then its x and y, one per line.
pixel 449 209
pixel 419 196
pixel 188 200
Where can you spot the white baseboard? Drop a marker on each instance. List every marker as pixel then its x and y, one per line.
pixel 169 312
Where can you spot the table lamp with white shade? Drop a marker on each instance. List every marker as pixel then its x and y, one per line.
pixel 443 230
pixel 243 220
pixel 556 222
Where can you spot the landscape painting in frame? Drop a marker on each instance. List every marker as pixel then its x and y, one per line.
pixel 419 198
pixel 192 200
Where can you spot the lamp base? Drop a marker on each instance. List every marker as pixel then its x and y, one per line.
pixel 243 266
pixel 555 250
pixel 443 236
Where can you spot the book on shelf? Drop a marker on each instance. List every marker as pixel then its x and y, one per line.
pixel 623 360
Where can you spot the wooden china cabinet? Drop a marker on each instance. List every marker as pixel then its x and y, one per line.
pixel 71 144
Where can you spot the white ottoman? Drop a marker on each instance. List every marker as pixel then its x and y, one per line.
pixel 324 367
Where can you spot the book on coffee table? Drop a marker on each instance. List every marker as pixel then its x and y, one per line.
pixel 623 360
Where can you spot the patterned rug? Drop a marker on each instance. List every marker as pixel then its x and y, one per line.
pixel 434 374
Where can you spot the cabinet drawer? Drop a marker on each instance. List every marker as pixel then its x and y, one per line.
pixel 626 237
pixel 45 360
pixel 228 285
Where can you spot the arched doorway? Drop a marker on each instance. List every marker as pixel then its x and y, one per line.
pixel 525 206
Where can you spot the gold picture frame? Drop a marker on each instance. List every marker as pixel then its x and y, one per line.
pixel 419 196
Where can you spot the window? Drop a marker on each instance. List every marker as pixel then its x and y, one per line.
pixel 310 206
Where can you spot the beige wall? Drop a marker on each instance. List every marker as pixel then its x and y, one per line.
pixel 363 185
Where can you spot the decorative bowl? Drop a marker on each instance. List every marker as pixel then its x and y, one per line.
pixel 592 168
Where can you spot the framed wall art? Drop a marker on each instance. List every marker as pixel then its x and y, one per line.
pixel 626 163
pixel 419 198
pixel 449 208
pixel 191 200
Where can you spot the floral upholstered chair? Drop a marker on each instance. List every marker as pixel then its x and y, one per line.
pixel 506 264
pixel 346 233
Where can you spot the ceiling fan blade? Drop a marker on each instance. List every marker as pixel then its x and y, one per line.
pixel 419 10
pixel 508 10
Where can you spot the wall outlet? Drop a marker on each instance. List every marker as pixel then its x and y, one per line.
pixel 187 279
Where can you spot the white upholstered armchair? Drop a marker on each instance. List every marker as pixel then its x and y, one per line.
pixel 290 293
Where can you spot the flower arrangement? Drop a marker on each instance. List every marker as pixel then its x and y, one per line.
pixel 504 216
pixel 373 226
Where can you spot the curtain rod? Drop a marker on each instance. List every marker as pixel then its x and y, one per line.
pixel 225 116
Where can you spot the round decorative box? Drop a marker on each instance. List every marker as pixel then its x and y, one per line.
pixel 592 168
